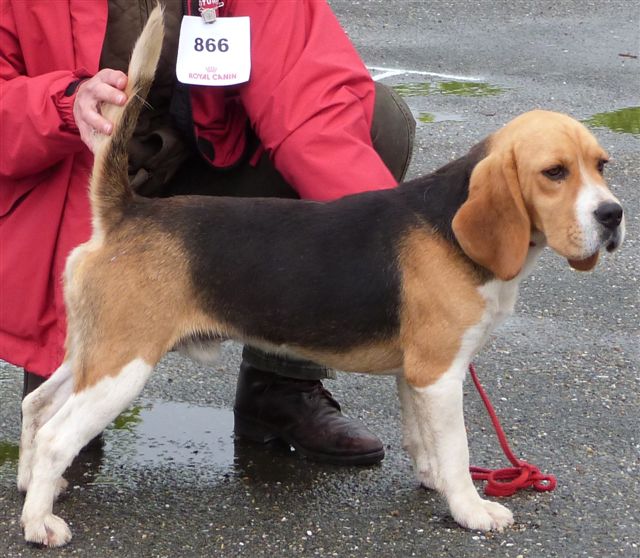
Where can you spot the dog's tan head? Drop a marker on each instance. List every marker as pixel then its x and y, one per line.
pixel 543 172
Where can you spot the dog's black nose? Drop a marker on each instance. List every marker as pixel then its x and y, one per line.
pixel 609 214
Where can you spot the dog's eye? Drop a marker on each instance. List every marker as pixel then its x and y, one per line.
pixel 556 173
pixel 601 164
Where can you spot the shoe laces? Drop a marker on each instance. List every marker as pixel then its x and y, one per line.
pixel 318 390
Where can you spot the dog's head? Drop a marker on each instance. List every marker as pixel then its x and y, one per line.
pixel 543 172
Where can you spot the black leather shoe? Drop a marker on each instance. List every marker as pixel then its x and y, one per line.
pixel 32 382
pixel 303 414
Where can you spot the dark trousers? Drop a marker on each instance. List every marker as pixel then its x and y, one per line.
pixel 392 132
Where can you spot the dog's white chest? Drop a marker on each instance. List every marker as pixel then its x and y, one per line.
pixel 500 296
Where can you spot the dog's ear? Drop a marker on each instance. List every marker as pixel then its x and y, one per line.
pixel 493 225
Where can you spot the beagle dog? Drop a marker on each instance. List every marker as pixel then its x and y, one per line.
pixel 408 281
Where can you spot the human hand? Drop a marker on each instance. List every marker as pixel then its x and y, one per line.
pixel 105 87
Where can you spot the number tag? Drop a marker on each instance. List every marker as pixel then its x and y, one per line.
pixel 217 53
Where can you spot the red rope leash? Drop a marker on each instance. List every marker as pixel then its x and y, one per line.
pixel 506 482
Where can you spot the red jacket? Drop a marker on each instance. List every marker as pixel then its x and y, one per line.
pixel 309 99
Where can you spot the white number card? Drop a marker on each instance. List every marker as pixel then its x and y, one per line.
pixel 217 53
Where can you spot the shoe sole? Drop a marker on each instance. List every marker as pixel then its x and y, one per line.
pixel 261 433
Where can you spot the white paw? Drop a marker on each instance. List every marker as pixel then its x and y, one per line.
pixel 483 515
pixel 50 531
pixel 61 486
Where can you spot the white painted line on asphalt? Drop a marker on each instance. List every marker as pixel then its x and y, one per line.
pixel 389 72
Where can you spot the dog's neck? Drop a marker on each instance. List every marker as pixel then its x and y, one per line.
pixel 438 196
pixel 536 245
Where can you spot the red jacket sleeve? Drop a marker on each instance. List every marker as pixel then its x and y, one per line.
pixel 38 128
pixel 310 99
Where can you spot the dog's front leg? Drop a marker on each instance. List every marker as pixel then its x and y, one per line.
pixel 416 441
pixel 440 418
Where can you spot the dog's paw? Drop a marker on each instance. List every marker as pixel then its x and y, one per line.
pixel 61 486
pixel 483 515
pixel 51 531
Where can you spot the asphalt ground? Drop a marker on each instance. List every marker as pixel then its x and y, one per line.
pixel 563 372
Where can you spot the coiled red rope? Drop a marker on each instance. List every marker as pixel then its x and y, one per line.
pixel 506 482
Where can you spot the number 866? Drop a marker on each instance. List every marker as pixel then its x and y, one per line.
pixel 211 45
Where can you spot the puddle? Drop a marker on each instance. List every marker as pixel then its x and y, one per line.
pixel 128 419
pixel 170 433
pixel 460 88
pixel 176 442
pixel 469 89
pixel 8 463
pixel 414 89
pixel 192 443
pixel 626 120
pixel 432 117
pixel 8 453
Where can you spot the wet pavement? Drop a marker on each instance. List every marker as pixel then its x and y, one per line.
pixel 563 373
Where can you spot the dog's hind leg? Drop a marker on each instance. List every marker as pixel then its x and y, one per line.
pixel 439 412
pixel 37 408
pixel 82 417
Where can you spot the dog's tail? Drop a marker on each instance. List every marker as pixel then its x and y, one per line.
pixel 109 187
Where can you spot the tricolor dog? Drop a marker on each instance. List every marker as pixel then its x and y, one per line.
pixel 408 281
